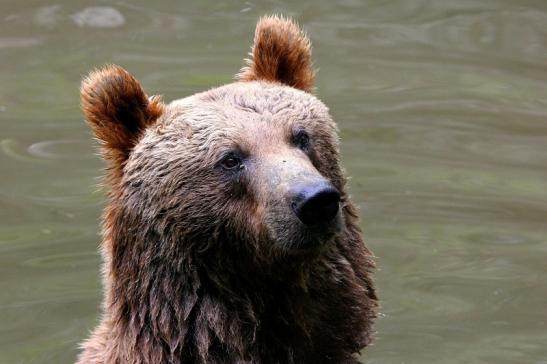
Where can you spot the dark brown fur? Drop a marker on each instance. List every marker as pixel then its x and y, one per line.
pixel 192 271
pixel 118 111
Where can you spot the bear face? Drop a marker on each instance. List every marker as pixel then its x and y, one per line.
pixel 249 153
pixel 228 235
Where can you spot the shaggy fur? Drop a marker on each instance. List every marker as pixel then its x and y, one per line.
pixel 204 265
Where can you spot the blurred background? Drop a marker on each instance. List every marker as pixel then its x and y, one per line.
pixel 442 107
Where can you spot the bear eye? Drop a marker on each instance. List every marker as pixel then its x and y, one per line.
pixel 302 140
pixel 231 161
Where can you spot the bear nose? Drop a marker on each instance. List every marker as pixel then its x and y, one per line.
pixel 316 204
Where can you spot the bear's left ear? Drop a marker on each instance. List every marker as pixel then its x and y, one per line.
pixel 281 53
pixel 118 110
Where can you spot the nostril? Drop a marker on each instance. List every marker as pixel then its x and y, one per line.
pixel 316 204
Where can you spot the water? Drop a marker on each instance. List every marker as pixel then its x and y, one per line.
pixel 442 107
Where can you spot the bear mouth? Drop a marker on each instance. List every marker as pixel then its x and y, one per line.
pixel 318 236
pixel 293 236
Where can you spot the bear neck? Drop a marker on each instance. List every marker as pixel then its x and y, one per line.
pixel 168 303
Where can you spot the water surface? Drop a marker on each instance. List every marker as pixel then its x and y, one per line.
pixel 442 107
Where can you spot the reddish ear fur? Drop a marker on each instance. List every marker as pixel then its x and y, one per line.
pixel 281 53
pixel 118 111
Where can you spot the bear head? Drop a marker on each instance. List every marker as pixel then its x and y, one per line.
pixel 253 164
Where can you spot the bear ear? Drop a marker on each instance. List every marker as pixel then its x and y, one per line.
pixel 281 53
pixel 118 111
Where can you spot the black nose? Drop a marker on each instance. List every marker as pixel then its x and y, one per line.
pixel 316 204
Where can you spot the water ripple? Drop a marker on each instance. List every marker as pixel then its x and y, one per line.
pixel 57 149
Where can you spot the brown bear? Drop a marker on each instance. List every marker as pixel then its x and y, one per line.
pixel 229 236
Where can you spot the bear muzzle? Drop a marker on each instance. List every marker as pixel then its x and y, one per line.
pixel 302 212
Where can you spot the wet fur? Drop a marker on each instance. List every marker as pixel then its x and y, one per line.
pixel 194 276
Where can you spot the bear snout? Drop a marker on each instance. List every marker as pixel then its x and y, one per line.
pixel 315 204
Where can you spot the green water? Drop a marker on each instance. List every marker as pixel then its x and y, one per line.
pixel 442 107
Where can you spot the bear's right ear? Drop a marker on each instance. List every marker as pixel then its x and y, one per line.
pixel 118 111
